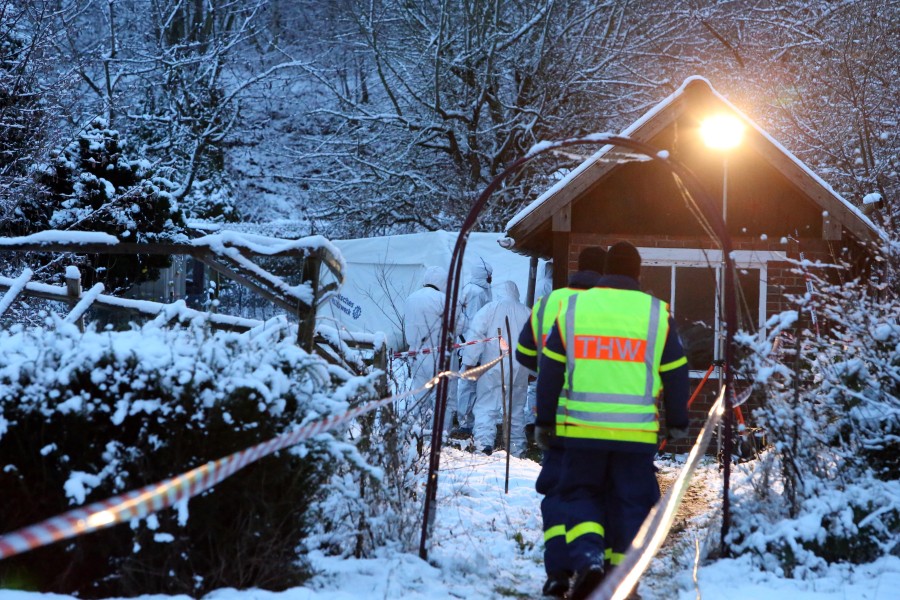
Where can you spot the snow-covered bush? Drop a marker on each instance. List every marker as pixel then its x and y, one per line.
pixel 830 490
pixel 381 504
pixel 87 416
pixel 93 185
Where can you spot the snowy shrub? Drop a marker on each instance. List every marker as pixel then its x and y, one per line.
pixel 829 492
pixel 92 185
pixel 380 504
pixel 213 200
pixel 87 416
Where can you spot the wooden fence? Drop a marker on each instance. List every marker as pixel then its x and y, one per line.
pixel 231 256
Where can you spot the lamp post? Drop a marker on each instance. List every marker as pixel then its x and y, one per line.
pixel 722 133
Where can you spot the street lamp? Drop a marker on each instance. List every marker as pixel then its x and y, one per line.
pixel 722 133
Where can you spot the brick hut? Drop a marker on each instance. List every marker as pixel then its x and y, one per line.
pixel 776 210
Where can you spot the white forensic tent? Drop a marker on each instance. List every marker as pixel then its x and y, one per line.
pixel 382 271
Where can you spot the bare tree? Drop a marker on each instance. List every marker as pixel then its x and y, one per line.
pixel 30 102
pixel 832 81
pixel 173 73
pixel 449 93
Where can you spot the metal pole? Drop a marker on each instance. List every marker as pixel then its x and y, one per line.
pixel 725 188
pixel 509 412
pixel 504 429
pixel 720 280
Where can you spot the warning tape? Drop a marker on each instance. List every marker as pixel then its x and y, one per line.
pixel 431 350
pixel 139 503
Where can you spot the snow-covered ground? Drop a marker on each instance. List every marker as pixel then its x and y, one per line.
pixel 486 544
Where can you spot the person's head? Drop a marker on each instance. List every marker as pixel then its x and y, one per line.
pixel 623 259
pixel 592 258
pixel 508 290
pixel 436 277
pixel 482 272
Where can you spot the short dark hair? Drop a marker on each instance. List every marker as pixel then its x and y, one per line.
pixel 623 259
pixel 592 258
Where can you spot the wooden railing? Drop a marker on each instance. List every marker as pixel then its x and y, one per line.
pixel 230 256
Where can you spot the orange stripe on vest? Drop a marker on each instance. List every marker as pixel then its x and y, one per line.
pixel 601 347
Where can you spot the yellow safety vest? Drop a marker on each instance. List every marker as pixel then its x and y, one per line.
pixel 614 341
pixel 542 320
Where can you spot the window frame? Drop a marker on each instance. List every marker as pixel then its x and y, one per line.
pixel 701 258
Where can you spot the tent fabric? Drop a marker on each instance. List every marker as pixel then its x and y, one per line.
pixel 381 272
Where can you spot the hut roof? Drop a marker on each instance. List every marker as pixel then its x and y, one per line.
pixel 695 90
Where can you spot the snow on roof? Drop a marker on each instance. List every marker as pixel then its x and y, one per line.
pixel 872 198
pixel 650 114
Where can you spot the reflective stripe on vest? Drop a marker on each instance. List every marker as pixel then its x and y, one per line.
pixel 614 340
pixel 546 320
pixel 542 321
pixel 537 319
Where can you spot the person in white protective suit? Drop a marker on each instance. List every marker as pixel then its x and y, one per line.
pixel 544 283
pixel 489 409
pixel 422 316
pixel 475 294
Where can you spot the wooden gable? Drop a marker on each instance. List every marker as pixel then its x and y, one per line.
pixel 770 193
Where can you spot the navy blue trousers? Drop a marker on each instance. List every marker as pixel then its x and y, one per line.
pixel 556 556
pixel 606 495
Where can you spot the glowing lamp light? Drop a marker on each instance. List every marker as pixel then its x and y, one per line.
pixel 722 132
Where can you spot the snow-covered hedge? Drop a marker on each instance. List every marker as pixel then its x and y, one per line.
pixel 87 416
pixel 830 491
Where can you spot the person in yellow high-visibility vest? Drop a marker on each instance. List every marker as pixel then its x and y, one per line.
pixel 531 341
pixel 611 353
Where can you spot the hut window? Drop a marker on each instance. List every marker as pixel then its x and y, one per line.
pixel 689 281
pixel 691 294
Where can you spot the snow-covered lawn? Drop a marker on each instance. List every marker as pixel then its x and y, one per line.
pixel 487 544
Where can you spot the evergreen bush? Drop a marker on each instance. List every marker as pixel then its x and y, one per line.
pixel 93 185
pixel 84 417
pixel 828 492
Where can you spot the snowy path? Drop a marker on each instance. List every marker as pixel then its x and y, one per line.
pixel 487 545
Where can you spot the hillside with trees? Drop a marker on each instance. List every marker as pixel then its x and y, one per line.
pixel 352 118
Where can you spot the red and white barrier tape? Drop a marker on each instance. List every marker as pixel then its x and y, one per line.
pixel 139 503
pixel 431 350
pixel 155 497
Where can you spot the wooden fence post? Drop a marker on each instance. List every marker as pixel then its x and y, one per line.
pixel 306 329
pixel 380 361
pixel 73 290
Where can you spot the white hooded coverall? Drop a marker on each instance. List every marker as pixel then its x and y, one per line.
pixel 475 294
pixel 488 409
pixel 422 316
